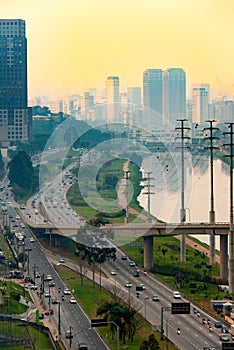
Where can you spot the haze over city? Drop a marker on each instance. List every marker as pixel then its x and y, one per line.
pixel 74 45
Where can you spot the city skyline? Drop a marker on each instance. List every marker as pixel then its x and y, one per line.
pixel 74 46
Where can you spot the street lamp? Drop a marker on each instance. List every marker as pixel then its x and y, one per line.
pixel 147 298
pixel 28 250
pixel 104 323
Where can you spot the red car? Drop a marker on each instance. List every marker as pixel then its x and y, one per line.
pixel 49 312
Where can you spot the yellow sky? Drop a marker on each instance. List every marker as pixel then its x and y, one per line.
pixel 75 44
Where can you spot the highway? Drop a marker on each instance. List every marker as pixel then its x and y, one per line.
pixel 71 315
pixel 194 335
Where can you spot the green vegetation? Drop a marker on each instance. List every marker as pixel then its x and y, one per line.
pixel 107 179
pixel 6 251
pixel 16 330
pixel 1 166
pixel 93 298
pixel 23 177
pixel 11 294
pixel 195 271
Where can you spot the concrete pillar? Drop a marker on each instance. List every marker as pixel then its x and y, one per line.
pixel 212 249
pixel 224 257
pixel 231 261
pixel 212 240
pixel 148 252
pixel 183 248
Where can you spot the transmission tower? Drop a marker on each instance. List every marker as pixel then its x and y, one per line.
pixel 211 138
pixel 230 144
pixel 182 128
pixel 149 186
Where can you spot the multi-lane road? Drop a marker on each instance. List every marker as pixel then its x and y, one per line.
pixel 193 335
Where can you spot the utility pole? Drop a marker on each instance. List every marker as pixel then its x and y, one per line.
pixel 149 193
pixel 230 144
pixel 59 318
pixel 34 271
pixel 182 128
pixel 126 177
pixel 210 136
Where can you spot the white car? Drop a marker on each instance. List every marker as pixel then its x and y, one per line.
pixel 66 291
pixel 47 294
pixel 73 300
pixel 113 272
pixel 176 295
pixel 132 263
pixel 62 260
pixel 128 284
pixel 48 278
pixel 32 240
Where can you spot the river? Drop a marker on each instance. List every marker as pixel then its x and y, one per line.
pixel 166 184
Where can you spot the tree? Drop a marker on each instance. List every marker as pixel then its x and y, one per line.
pixel 1 165
pixel 22 258
pixel 21 170
pixel 121 315
pixel 150 344
pixel 91 248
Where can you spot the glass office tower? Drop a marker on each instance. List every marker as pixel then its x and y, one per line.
pixel 15 116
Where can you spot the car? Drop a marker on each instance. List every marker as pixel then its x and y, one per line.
pixel 41 316
pixel 28 279
pixel 132 263
pixel 128 284
pixel 66 291
pixel 62 260
pixel 155 298
pixel 176 295
pixel 17 217
pixel 225 329
pixel 51 283
pixel 54 300
pixel 48 278
pixel 142 286
pixel 136 273
pixel 224 337
pixel 37 275
pixel 32 240
pixel 82 346
pixel 113 272
pixel 218 324
pixel 49 312
pixel 33 287
pixel 124 257
pixel 22 225
pixel 69 334
pixel 47 294
pixel 73 300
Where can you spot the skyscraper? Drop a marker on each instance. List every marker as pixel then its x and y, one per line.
pixel 134 95
pixel 15 118
pixel 152 89
pixel 200 100
pixel 112 99
pixel 174 94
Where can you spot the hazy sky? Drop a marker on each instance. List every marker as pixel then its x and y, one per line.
pixel 75 44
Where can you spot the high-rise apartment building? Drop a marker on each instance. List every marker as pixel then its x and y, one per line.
pixel 112 99
pixel 174 94
pixel 152 89
pixel 134 96
pixel 15 118
pixel 200 103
